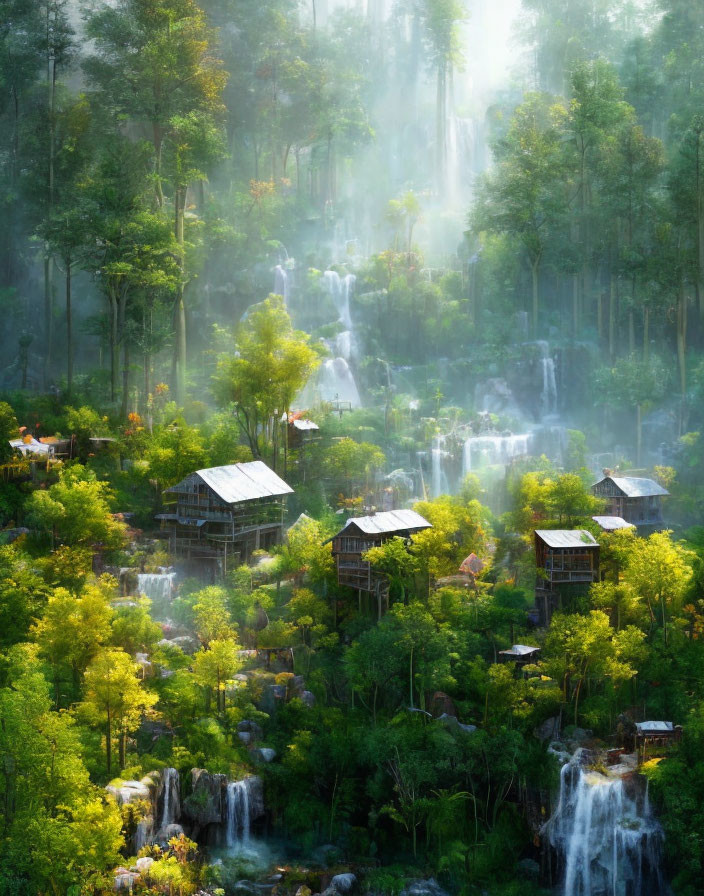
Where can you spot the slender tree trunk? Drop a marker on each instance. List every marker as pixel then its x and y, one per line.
pixel 108 743
pixel 48 314
pixel 69 331
pixel 639 433
pixel 612 319
pixel 125 378
pixel 181 346
pixel 114 361
pixel 535 272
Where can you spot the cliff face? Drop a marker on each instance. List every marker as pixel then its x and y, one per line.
pixel 159 811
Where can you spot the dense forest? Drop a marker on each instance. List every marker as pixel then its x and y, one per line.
pixel 352 470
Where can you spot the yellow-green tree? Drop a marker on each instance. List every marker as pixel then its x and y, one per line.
pixel 73 629
pixel 271 364
pixel 215 665
pixel 76 511
pixel 115 699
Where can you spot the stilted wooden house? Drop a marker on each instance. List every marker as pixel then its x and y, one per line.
pixel 223 514
pixel 567 561
pixel 635 499
pixel 365 532
pixel 301 431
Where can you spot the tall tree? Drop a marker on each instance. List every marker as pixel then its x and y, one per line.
pixel 154 63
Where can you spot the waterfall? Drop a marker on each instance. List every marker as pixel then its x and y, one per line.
pixel 439 482
pixel 336 382
pixel 462 159
pixel 340 290
pixel 238 813
pixel 157 585
pixel 481 451
pixel 548 390
pixel 171 808
pixel 281 284
pixel 344 345
pixel 608 841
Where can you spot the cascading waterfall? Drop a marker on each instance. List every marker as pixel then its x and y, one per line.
pixel 336 382
pixel 607 839
pixel 281 283
pixel 171 808
pixel 238 813
pixel 548 391
pixel 340 289
pixel 157 585
pixel 462 156
pixel 439 481
pixel 481 451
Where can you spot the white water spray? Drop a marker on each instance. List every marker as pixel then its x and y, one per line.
pixel 157 585
pixel 606 836
pixel 238 813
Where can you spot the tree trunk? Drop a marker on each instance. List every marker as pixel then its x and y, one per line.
pixel 639 434
pixel 48 314
pixel 114 361
pixel 69 331
pixel 535 270
pixel 125 379
pixel 180 355
pixel 612 319
pixel 108 743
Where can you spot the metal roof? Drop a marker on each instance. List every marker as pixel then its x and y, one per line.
pixel 637 487
pixel 389 521
pixel 612 523
pixel 33 447
pixel 519 650
pixel 244 482
pixel 305 425
pixel 567 538
pixel 659 727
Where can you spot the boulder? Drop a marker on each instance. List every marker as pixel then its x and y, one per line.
pixel 247 726
pixel 129 791
pixel 207 801
pixel 429 887
pixel 125 880
pixel 343 883
pixel 303 890
pixel 548 730
pixel 308 697
pixel 245 737
pixel 453 724
pixel 144 864
pixel 264 754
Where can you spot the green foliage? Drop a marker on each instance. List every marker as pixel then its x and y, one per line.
pixel 75 511
pixel 272 364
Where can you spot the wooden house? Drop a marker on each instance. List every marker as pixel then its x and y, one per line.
pixel 658 733
pixel 301 431
pixel 223 514
pixel 365 532
pixel 567 561
pixel 635 499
